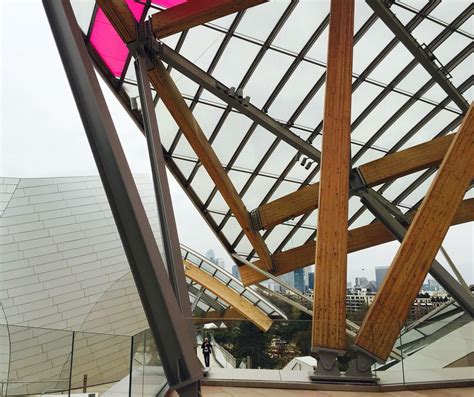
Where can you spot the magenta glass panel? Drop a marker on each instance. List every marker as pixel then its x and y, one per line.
pixel 107 41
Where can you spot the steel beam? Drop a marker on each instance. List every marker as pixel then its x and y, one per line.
pixel 167 324
pixel 237 100
pixel 169 232
pixel 465 299
pixel 421 55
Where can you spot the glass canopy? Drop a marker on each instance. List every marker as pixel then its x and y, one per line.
pixel 276 52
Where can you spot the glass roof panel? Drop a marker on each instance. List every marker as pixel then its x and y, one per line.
pixel 235 62
pixel 301 24
pixel 266 76
pixel 430 129
pixel 259 21
pixel 370 45
pixel 294 91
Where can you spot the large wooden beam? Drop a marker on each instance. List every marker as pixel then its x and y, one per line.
pixel 358 239
pixel 329 310
pixel 392 166
pixel 194 13
pixel 122 19
pixel 239 303
pixel 412 262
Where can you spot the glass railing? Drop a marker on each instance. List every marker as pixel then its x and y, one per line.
pixel 38 361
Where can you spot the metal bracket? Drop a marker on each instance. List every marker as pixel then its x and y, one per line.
pixel 389 206
pixel 256 220
pixel 357 182
pixel 145 45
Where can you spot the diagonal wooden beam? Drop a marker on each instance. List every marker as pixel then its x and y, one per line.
pixel 358 239
pixel 122 19
pixel 390 167
pixel 195 12
pixel 236 301
pixel 329 310
pixel 412 262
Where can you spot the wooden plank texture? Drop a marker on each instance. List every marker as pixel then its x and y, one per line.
pixel 194 13
pixel 239 303
pixel 329 311
pixel 358 239
pixel 420 245
pixel 122 19
pixel 392 166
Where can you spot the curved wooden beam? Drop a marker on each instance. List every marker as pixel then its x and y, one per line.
pixel 232 298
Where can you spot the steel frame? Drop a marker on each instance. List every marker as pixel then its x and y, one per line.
pixel 165 318
pixel 421 55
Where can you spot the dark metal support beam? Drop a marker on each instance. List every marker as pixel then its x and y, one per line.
pixel 424 57
pixel 169 232
pixel 236 99
pixel 167 324
pixel 370 198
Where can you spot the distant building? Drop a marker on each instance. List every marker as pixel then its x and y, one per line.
pixel 299 279
pixel 235 272
pixel 358 300
pixel 380 272
pixel 310 281
pixel 361 282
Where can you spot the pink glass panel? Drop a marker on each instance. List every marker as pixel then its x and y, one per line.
pixel 107 41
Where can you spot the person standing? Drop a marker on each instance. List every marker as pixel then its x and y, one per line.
pixel 206 351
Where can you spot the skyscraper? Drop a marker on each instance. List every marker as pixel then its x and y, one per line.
pixel 311 280
pixel 299 279
pixel 380 272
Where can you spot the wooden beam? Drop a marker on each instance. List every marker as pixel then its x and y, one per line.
pixel 392 166
pixel 398 164
pixel 194 13
pixel 239 303
pixel 212 316
pixel 412 262
pixel 329 310
pixel 176 105
pixel 122 19
pixel 358 239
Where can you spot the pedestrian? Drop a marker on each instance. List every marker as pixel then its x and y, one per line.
pixel 206 351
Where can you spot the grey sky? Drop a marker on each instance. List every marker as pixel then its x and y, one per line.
pixel 42 135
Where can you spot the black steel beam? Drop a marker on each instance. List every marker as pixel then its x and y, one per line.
pixel 167 324
pixel 370 198
pixel 168 229
pixel 236 100
pixel 422 56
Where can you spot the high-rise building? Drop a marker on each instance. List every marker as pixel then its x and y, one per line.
pixel 298 276
pixel 310 281
pixel 235 272
pixel 380 272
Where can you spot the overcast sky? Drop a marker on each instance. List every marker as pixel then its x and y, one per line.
pixel 42 136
